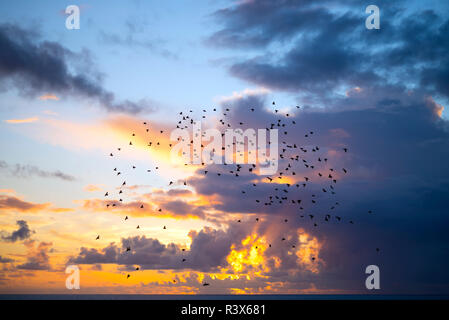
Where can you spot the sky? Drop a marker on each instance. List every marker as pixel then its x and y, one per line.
pixel 364 108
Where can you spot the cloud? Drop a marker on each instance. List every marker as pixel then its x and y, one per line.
pixel 26 171
pixel 18 121
pixel 244 94
pixel 5 260
pixel 113 132
pixel 252 24
pixel 48 97
pixel 161 206
pixel 38 257
pixel 321 47
pixel 208 251
pixel 14 203
pixel 92 188
pixel 22 233
pixel 11 191
pixel 35 67
pixel 11 202
pixel 395 139
pixel 237 257
pixel 378 94
pixel 136 33
pixel 130 41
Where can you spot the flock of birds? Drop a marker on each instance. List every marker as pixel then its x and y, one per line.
pixel 307 166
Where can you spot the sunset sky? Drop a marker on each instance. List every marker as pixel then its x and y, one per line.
pixel 69 98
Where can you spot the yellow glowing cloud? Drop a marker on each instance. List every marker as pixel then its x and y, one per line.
pixel 308 251
pixel 251 255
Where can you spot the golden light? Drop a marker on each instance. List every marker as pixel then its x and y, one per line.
pixel 251 255
pixel 308 252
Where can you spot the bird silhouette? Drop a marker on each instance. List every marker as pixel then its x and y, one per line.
pixel 298 157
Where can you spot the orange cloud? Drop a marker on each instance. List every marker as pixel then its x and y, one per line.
pixel 26 120
pixel 48 97
pixel 12 191
pixel 38 257
pixel 92 188
pixel 161 209
pixel 15 203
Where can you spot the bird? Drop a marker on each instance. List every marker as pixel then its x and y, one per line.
pixel 281 193
pixel 98 237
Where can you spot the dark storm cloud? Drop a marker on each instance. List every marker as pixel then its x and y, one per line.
pixel 35 68
pixel 258 23
pixel 327 48
pixel 397 145
pixel 26 171
pixel 22 233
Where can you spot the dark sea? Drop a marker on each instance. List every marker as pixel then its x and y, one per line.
pixel 216 297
